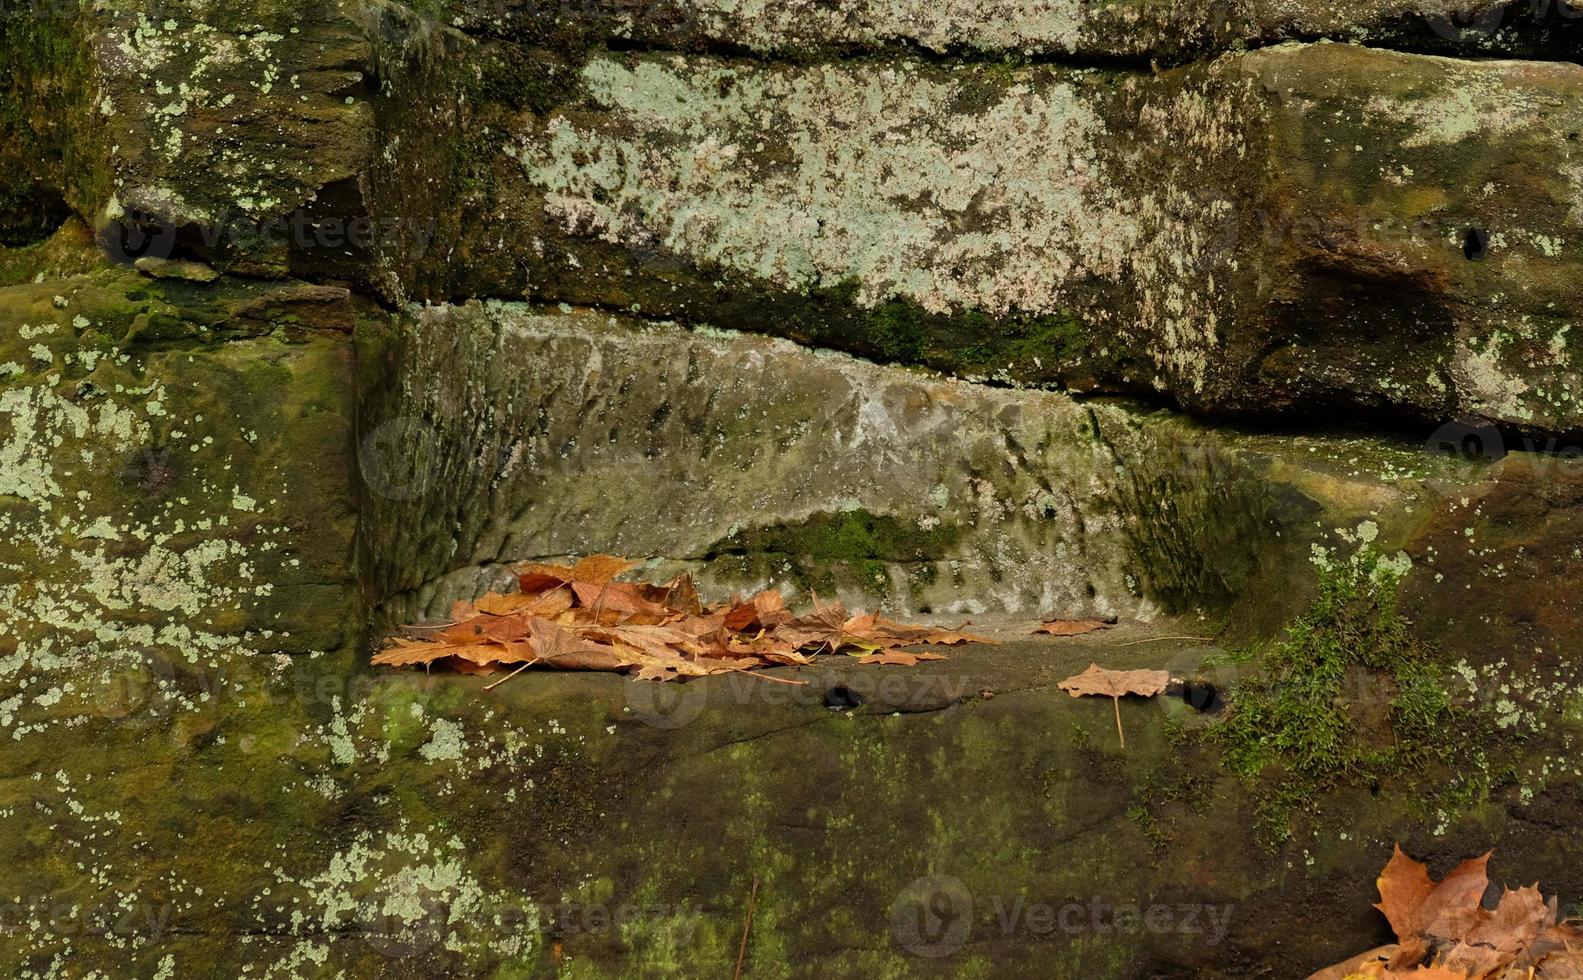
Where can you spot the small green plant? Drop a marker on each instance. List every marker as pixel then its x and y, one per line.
pixel 1348 695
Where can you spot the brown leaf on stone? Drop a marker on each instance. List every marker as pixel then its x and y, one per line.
pixel 546 604
pixel 1403 885
pixel 1516 924
pixel 765 610
pixel 897 658
pixel 1453 908
pixel 594 570
pixel 1115 684
pixel 872 629
pixel 1072 627
pixel 824 628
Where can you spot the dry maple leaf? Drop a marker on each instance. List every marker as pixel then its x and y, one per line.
pixel 1115 684
pixel 763 611
pixel 874 630
pixel 897 658
pixel 594 570
pixel 1403 886
pixel 1453 908
pixel 1518 921
pixel 1417 907
pixel 824 627
pixel 1072 627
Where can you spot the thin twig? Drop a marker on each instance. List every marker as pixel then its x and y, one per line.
pixel 530 663
pixel 747 927
pixel 765 677
pixel 1117 702
pixel 1157 639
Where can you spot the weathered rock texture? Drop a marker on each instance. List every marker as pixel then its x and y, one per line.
pixel 1305 229
pixel 499 432
pixel 1315 229
pixel 316 316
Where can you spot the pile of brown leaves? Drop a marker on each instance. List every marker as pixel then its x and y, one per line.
pixel 1444 932
pixel 581 618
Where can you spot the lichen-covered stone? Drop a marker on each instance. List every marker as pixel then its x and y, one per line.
pixel 176 483
pixel 1108 31
pixel 1304 229
pixel 307 820
pixel 221 130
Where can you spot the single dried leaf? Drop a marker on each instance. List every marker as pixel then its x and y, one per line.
pixel 1098 680
pixel 897 658
pixel 825 627
pixel 879 632
pixel 534 577
pixel 1517 922
pixel 1453 908
pixel 1072 627
pixel 619 599
pixel 1410 952
pixel 1403 885
pixel 681 595
pixel 763 611
pixel 546 604
pixel 1114 684
pixel 1478 961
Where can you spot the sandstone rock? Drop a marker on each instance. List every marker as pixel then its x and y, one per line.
pixel 498 432
pixel 176 481
pixel 220 131
pixel 1496 567
pixel 1057 29
pixel 1307 230
pixel 1312 230
pixel 175 269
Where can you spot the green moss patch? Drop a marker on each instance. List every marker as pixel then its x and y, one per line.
pixel 1351 696
pixel 969 342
